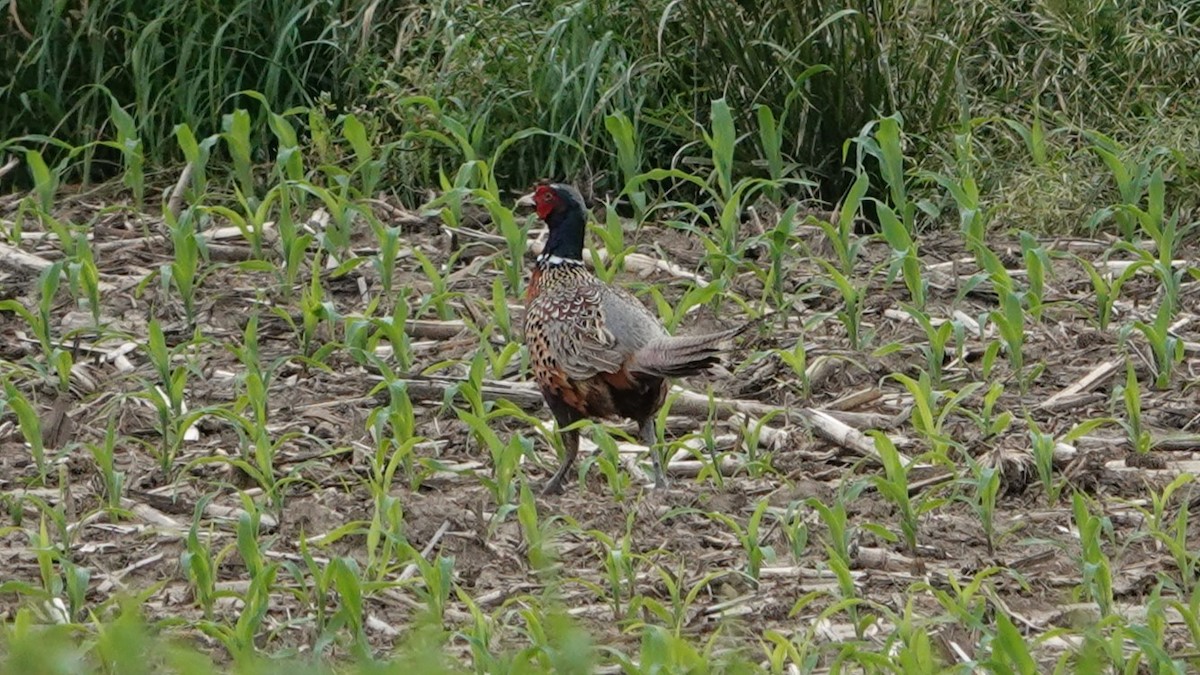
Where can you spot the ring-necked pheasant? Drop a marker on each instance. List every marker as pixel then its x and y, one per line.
pixel 596 351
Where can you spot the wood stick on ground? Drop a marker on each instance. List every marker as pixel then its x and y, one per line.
pixel 1084 384
pixel 526 396
pixel 18 260
pixel 175 201
pixel 433 541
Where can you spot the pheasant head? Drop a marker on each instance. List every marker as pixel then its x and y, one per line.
pixel 561 208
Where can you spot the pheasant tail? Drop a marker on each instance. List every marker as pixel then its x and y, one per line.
pixel 684 355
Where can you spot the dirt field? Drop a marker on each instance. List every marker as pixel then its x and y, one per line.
pixel 320 418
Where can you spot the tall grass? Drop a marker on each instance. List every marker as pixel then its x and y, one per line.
pixel 166 63
pixel 822 70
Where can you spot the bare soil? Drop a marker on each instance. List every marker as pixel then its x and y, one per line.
pixel 1036 552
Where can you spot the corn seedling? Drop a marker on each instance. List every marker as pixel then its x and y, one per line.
pixel 367 167
pixel 795 529
pixel 893 485
pixel 796 360
pixel 932 407
pixel 612 236
pixel 103 453
pixel 30 425
pixel 985 481
pixel 904 254
pixel 989 423
pixel 1136 434
pixel 840 234
pixel 1106 289
pixel 183 272
pixel 1010 651
pixel 1037 263
pixel 1167 348
pixel 345 578
pixel 852 304
pixel 695 296
pixel 934 347
pixel 1173 535
pixel 1132 178
pixel 437 580
pixel 680 598
pixel 199 565
pixel 621 564
pixel 1095 565
pixel 779 241
pixel 167 395
pixel 1010 322
pixel 1042 446
pixel 129 144
pixel 629 159
pixel 539 545
pixel 84 278
pixel 45 179
pixel 838 557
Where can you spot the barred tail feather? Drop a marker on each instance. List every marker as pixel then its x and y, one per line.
pixel 681 356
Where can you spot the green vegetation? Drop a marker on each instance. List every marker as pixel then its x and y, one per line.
pixel 264 406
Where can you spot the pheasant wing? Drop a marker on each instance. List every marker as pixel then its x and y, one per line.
pixel 590 330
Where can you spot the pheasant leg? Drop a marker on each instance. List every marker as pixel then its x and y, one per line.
pixel 570 449
pixel 649 438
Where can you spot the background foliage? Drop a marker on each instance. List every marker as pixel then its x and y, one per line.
pixel 823 69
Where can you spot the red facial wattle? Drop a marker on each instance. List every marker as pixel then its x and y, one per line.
pixel 545 200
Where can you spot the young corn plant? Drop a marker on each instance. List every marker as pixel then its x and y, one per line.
pixel 612 236
pixel 394 431
pixel 1168 349
pixel 45 179
pixel 538 535
pixel 989 423
pixel 30 425
pixel 235 132
pixel 894 486
pixel 129 144
pixel 1139 438
pixel 200 565
pixel 1172 534
pixel 750 538
pixel 628 145
pixel 1037 263
pixel 1132 177
pixel 83 277
pixel 1009 320
pixel 839 558
pixel 840 234
pixel 851 313
pixel 621 566
pixel 932 407
pixel 681 599
pixel 936 338
pixel 779 241
pixel 56 362
pixel 905 259
pixel 985 484
pixel 167 396
pixel 196 154
pixel 1096 569
pixel 183 272
pixel 1106 288
pixel 113 481
pixel 1042 447
pixel 696 296
pixel 506 457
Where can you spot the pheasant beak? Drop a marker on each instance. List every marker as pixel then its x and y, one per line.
pixel 526 201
